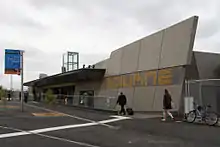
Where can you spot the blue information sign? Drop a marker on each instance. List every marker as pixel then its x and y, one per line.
pixel 12 61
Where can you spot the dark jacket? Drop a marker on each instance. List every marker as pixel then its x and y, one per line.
pixel 122 100
pixel 167 101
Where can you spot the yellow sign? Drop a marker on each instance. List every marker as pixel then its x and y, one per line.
pixel 143 78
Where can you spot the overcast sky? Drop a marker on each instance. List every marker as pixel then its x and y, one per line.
pixel 46 29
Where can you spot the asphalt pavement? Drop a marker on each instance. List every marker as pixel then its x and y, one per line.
pixel 56 126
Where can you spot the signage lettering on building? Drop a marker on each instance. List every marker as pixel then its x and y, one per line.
pixel 165 77
pixel 139 79
pixel 151 78
pixel 143 78
pixel 127 80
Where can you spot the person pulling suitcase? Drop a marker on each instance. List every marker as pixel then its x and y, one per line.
pixel 122 101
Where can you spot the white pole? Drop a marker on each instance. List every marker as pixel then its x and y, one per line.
pixel 186 89
pixel 11 87
pixel 11 82
pixel 200 93
pixel 22 78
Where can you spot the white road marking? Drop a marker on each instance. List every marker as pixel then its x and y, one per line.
pixel 53 137
pixel 67 140
pixel 178 121
pixel 72 116
pixel 35 102
pixel 117 118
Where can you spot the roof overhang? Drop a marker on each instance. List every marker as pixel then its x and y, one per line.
pixel 80 75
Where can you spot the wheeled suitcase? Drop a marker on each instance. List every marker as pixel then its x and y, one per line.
pixel 130 111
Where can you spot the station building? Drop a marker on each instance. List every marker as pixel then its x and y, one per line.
pixel 142 70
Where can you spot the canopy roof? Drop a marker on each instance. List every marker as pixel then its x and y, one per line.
pixel 79 75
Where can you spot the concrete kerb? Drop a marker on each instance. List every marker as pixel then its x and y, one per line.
pixel 137 114
pixel 197 122
pixel 90 109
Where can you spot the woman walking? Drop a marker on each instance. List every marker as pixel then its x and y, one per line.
pixel 167 100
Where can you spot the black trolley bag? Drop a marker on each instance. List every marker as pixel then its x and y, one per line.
pixel 130 111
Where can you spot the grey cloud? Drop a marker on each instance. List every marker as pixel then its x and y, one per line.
pixel 89 59
pixel 40 4
pixel 16 18
pixel 37 61
pixel 30 51
pixel 107 23
pixel 20 21
pixel 151 14
pixel 208 28
pixel 50 63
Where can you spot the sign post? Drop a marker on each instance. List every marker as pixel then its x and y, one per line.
pixel 14 65
pixel 22 81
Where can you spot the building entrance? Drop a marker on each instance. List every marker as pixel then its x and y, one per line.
pixel 87 98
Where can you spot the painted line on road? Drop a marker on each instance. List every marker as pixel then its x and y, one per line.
pixel 178 121
pixel 117 118
pixel 9 107
pixel 72 116
pixel 48 114
pixel 52 137
pixel 68 140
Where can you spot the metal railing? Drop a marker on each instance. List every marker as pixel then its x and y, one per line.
pixel 204 92
pixel 95 102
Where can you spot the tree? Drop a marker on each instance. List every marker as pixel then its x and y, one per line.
pixel 50 97
pixel 2 92
pixel 3 95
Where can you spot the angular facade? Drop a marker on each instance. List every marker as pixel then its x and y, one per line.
pixel 142 70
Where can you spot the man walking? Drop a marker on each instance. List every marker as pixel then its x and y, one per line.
pixel 26 96
pixel 167 100
pixel 122 100
pixel 9 95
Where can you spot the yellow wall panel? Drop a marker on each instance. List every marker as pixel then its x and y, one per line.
pixel 127 80
pixel 143 78
pixel 151 78
pixel 139 79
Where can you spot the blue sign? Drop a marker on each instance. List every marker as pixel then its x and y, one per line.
pixel 12 61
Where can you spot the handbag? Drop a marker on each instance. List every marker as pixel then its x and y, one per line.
pixel 172 104
pixel 117 107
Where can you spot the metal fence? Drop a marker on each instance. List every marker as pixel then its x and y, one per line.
pixel 205 92
pixel 95 102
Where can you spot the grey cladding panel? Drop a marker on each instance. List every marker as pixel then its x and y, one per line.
pixel 150 51
pixel 114 63
pixel 178 43
pixel 178 75
pixel 130 57
pixel 206 69
pixel 143 98
pixel 102 64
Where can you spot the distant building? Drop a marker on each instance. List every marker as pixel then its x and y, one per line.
pixel 42 75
